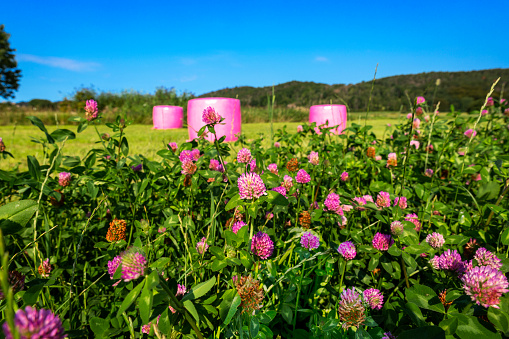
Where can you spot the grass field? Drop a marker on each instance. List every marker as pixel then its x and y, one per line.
pixel 142 139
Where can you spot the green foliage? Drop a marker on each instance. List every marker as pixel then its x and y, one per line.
pixel 9 74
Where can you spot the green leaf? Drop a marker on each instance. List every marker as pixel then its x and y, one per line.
pixel 286 312
pixel 147 296
pixel 130 298
pixel 500 319
pixel 99 326
pixel 218 265
pixel 190 307
pixel 426 332
pixel 504 238
pixel 37 122
pixel 15 215
pixel 233 308
pixel 164 322
pixel 31 295
pixel 276 198
pixel 362 334
pixel 488 191
pixel 82 126
pixel 449 325
pixel 254 327
pixel 373 262
pixel 33 167
pixel 267 317
pixel 200 289
pixel 61 134
pixel 424 297
pixel 415 314
pixel 234 202
pixel 217 251
pixel 469 327
pixel 394 251
pixel 124 146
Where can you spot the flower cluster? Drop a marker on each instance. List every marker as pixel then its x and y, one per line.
pixel 16 281
pixel 309 241
pixel 273 169
pixel 202 246
pixel 45 268
pixel 413 218
pixel 401 202
pixel 383 199
pixel 382 241
pixel 333 204
pixel 132 263
pixel 287 182
pixel 449 261
pixel 350 309
pixel 251 186
pixel 210 116
pixel 281 190
pixel 435 240
pixel 173 146
pixel 251 294
pixel 344 176
pixel 313 158
pixel 215 165
pixel 347 250
pixel 374 298
pixel 33 323
pixel 302 177
pixel 470 133
pixel 117 230
pixel 262 245
pixel 91 110
pixel 244 156
pixel 485 285
pixel 396 228
pixel 486 258
pixel 392 160
pixel 64 179
pixel 237 226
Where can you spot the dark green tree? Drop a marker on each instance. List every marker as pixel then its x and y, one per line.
pixel 9 74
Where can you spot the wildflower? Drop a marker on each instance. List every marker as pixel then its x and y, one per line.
pixel 113 265
pixel 2 145
pixel 378 157
pixel 116 231
pixel 173 146
pixel 202 246
pixel 426 118
pixel 313 158
pixel 281 190
pixel 342 224
pixel 287 182
pixel 252 165
pixel 188 168
pixel 428 172
pixel 450 261
pixel 486 258
pixel 16 281
pixel 382 242
pixel 277 144
pixel 302 177
pixel 333 204
pixel 435 240
pixel 161 229
pixel 476 177
pixel 251 186
pixel 45 268
pixel 33 323
pixel 309 241
pixel 181 290
pixel 350 309
pixel 137 168
pixel 344 176
pixel 370 152
pixel 418 111
pixel 251 295
pixel 470 133
pixel 133 264
pixel 409 116
pixel 305 219
pixel 490 102
pixel 360 202
pixel 273 169
pixel 401 202
pixel 368 198
pixel 146 328
pixel 383 199
pixel 416 123
pixel 186 155
pixel 64 179
pixel 299 128
pixel 413 218
pixel 237 226
pixel 215 165
pixel 91 110
pixel 420 100
pixel 210 116
pixel 415 143
pixel 187 180
pixel 392 160
pixel 389 335
pixel 244 156
pixel 485 285
pixel 347 250
pixel 262 245
pixel 374 298
pixel 292 165
pixel 484 112
pixel 269 215
pixel 396 228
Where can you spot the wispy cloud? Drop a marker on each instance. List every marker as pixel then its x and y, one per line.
pixel 64 63
pixel 321 59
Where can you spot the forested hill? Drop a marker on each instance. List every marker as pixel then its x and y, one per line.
pixel 465 90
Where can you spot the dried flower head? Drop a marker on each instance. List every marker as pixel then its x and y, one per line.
pixel 16 281
pixel 292 165
pixel 251 294
pixel 2 145
pixel 392 160
pixel 442 296
pixel 470 248
pixel 187 180
pixel 117 230
pixel 33 323
pixel 371 152
pixel 383 199
pixel 188 167
pixel 350 309
pixel 314 158
pixel 45 268
pixel 305 219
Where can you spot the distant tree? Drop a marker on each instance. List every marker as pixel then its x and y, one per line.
pixel 9 74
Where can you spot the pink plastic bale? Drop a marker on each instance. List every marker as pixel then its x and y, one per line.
pixel 330 115
pixel 228 108
pixel 167 117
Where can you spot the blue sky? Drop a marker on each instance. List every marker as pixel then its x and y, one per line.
pixel 202 46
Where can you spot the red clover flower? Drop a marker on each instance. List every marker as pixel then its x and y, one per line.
pixel 333 204
pixel 374 298
pixel 486 258
pixel 262 245
pixel 350 309
pixel 202 246
pixel 313 158
pixel 251 186
pixel 273 169
pixel 302 177
pixel 64 179
pixel 435 240
pixel 396 228
pixel 210 116
pixel 237 226
pixel 244 155
pixel 382 242
pixel 91 110
pixel 347 250
pixel 485 285
pixel 309 241
pixel 383 199
pixel 33 323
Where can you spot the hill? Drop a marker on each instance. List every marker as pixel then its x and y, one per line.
pixel 465 90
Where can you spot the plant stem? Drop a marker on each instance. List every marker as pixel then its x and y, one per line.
pixel 298 295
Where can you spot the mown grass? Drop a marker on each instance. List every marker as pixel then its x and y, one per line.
pixel 142 139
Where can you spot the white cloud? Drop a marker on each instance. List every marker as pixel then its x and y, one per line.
pixel 321 59
pixel 64 63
